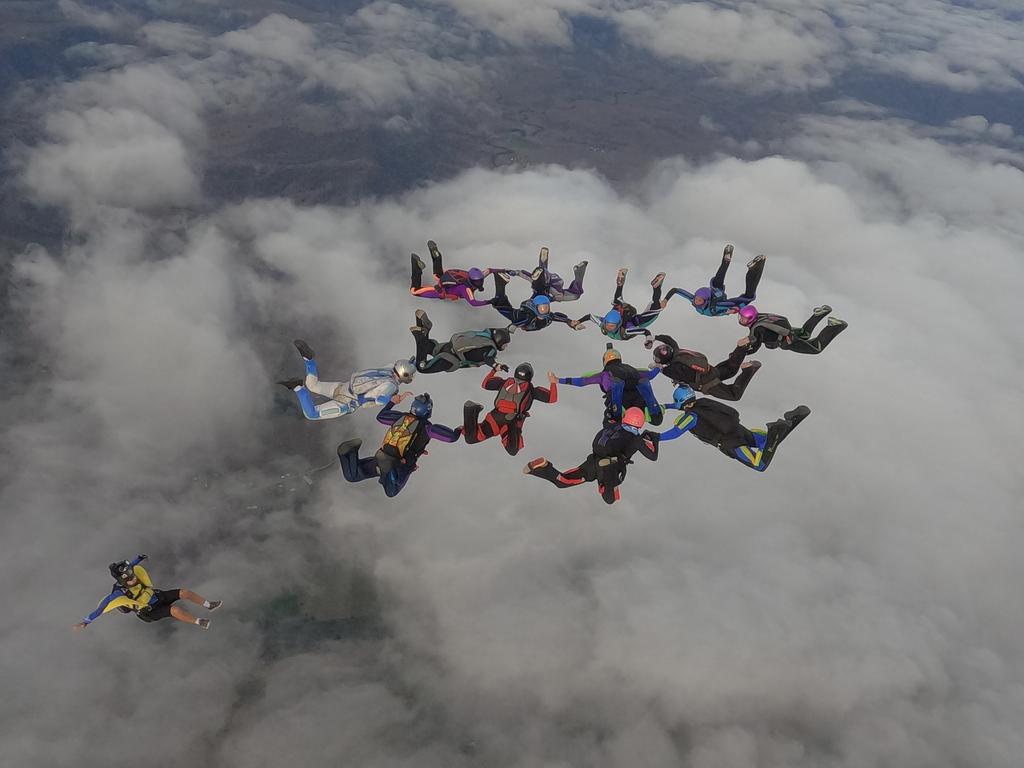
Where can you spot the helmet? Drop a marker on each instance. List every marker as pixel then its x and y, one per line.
pixel 610 353
pixel 704 294
pixel 476 278
pixel 123 572
pixel 747 315
pixel 612 320
pixel 404 370
pixel 523 372
pixel 422 406
pixel 663 354
pixel 682 394
pixel 502 336
pixel 541 304
pixel 633 419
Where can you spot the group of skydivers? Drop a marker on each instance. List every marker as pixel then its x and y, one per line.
pixel 630 403
pixel 629 399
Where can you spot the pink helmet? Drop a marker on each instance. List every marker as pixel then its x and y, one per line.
pixel 634 417
pixel 748 314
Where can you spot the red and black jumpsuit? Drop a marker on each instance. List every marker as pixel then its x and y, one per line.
pixel 511 407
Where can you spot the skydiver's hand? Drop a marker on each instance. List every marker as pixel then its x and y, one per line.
pixel 744 342
pixel 732 311
pixel 79 626
pixel 142 557
pixel 648 342
pixel 399 397
pixel 552 379
pixel 486 271
pixel 499 367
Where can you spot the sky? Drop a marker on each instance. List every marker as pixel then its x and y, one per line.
pixel 856 606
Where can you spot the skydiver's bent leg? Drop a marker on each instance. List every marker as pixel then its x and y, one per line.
pixel 417 273
pixel 816 317
pixel 584 473
pixel 435 258
pixel 393 474
pixel 754 271
pixel 735 390
pixel 472 430
pixel 817 345
pixel 731 365
pixel 353 468
pixel 718 281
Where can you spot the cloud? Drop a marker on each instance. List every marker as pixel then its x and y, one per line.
pixel 852 606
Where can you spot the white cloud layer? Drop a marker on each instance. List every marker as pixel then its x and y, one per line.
pixel 856 605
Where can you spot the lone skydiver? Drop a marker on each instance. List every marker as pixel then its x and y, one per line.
pixel 405 441
pixel 468 349
pixel 133 592
pixel 719 425
pixel 372 387
pixel 532 315
pixel 775 331
pixel 547 283
pixel 511 407
pixel 449 285
pixel 623 322
pixel 623 386
pixel 712 300
pixel 684 366
pixel 611 453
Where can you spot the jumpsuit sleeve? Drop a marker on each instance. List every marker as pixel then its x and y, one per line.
pixel 136 560
pixel 682 292
pixel 443 433
pixel 561 317
pixel 388 415
pixel 684 423
pixel 109 603
pixel 583 381
pixel 649 445
pixel 492 381
pixel 546 394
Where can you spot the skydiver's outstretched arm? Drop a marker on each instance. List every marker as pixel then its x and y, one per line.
pixel 547 394
pixel 561 317
pixel 388 415
pixel 684 423
pixel 443 433
pixel 583 381
pixel 679 292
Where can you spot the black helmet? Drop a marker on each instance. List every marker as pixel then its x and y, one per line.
pixel 501 337
pixel 123 572
pixel 523 372
pixel 663 354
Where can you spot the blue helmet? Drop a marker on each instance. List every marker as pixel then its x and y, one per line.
pixel 541 304
pixel 682 395
pixel 611 321
pixel 422 406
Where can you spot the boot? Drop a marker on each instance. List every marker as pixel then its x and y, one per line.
pixel 304 349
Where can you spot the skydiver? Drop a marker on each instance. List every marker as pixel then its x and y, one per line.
pixel 622 322
pixel 712 301
pixel 775 331
pixel 719 425
pixel 405 441
pixel 533 314
pixel 449 285
pixel 372 387
pixel 611 452
pixel 623 386
pixel 133 592
pixel 468 349
pixel 511 407
pixel 684 366
pixel 546 283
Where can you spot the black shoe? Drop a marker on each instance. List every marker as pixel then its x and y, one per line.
pixel 824 309
pixel 292 384
pixel 423 321
pixel 348 446
pixel 543 258
pixel 417 263
pixel 215 604
pixel 304 349
pixel 727 253
pixel 432 247
pixel 756 260
pixel 751 365
pixel 797 415
pixel 203 623
pixel 835 321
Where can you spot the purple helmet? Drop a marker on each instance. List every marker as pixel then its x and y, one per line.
pixel 476 278
pixel 704 294
pixel 747 315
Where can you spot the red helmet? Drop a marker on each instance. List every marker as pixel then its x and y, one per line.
pixel 634 417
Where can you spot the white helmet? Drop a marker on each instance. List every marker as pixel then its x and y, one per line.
pixel 404 370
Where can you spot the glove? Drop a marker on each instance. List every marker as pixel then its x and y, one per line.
pixel 142 557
